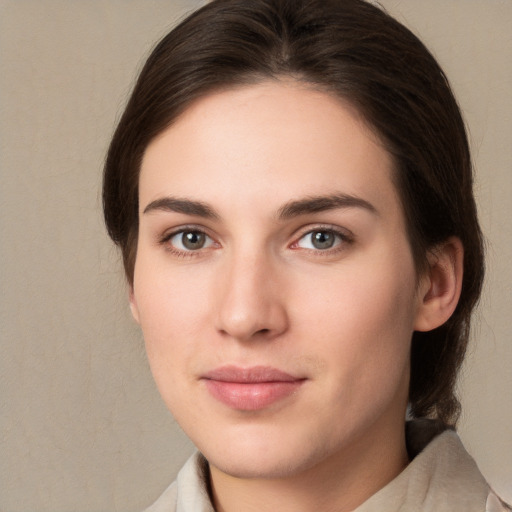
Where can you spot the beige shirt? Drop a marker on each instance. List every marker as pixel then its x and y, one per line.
pixel 442 477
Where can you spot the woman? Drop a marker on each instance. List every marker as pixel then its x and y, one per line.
pixel 290 185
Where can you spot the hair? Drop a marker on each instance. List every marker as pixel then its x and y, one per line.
pixel 355 51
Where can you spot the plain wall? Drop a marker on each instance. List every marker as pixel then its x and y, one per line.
pixel 82 427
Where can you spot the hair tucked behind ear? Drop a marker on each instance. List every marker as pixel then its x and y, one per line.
pixel 356 51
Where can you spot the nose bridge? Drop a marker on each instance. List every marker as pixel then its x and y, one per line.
pixel 250 303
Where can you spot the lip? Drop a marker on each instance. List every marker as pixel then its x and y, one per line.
pixel 250 389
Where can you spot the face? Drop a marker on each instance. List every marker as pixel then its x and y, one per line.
pixel 274 282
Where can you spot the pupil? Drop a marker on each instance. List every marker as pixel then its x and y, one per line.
pixel 193 240
pixel 323 240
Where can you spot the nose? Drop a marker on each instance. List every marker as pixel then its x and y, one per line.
pixel 251 303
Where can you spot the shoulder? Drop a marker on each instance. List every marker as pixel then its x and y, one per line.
pixel 495 504
pixel 167 501
pixel 460 475
pixel 441 477
pixel 189 492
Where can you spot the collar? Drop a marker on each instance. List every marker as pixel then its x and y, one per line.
pixel 442 477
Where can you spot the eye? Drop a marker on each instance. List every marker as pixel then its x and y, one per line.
pixel 189 240
pixel 320 240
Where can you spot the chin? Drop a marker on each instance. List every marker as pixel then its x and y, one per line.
pixel 262 467
pixel 267 457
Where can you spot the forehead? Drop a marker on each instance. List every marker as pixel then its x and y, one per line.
pixel 266 141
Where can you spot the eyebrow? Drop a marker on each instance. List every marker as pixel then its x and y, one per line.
pixel 315 204
pixel 186 206
pixel 296 208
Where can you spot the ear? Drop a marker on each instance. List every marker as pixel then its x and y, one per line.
pixel 133 305
pixel 440 287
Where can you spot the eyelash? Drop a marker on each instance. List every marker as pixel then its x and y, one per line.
pixel 343 237
pixel 167 237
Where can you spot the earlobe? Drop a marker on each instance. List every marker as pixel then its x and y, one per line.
pixel 441 286
pixel 133 305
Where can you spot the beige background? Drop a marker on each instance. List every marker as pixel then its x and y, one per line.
pixel 82 427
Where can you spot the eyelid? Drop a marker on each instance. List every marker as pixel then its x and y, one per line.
pixel 169 233
pixel 342 231
pixel 345 235
pixel 165 238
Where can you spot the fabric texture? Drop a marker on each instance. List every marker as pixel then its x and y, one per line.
pixel 442 477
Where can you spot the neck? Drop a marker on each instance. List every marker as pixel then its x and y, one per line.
pixel 339 483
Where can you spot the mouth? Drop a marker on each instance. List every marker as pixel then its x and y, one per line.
pixel 250 389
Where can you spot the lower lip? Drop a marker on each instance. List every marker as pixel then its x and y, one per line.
pixel 251 396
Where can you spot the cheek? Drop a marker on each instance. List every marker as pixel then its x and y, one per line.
pixel 172 310
pixel 363 321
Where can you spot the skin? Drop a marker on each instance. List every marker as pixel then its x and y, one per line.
pixel 242 166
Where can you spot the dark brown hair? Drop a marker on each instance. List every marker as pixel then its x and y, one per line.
pixel 352 49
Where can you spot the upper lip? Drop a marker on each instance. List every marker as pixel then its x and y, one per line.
pixel 252 375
